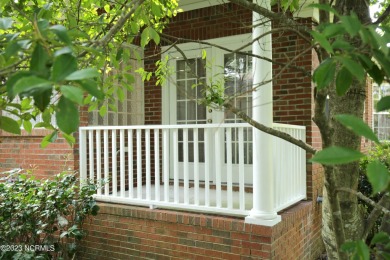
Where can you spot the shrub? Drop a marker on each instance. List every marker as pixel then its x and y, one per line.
pixel 382 153
pixel 43 219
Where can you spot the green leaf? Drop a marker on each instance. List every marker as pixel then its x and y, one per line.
pixel 65 50
pixel 336 155
pixel 119 54
pixel 348 247
pixel 156 10
pixel 73 93
pixel 27 126
pixel 39 61
pixel 381 237
pixel 63 66
pixel 383 104
pixel 324 74
pixel 11 49
pixel 67 116
pixel 9 125
pixel 357 126
pixel 371 68
pixel 103 110
pixel 321 39
pixel 91 87
pixel 331 30
pixel 343 81
pixel 134 27
pixel 362 250
pixel 69 138
pixel 339 44
pixel 378 175
pixel 61 33
pixel 204 54
pixel 383 61
pixel 351 24
pixel 84 74
pixel 6 23
pixel 324 7
pixel 145 38
pixel 29 84
pixel 12 80
pixel 353 67
pixel 50 138
pixel 42 98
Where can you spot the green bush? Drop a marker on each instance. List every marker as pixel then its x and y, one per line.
pixel 43 219
pixel 381 153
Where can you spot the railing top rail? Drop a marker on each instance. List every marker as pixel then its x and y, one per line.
pixel 189 126
pixel 275 125
pixel 134 127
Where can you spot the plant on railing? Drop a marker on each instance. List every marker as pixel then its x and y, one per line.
pixel 43 219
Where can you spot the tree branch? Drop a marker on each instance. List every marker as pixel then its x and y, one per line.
pixel 383 16
pixel 270 130
pixel 365 199
pixel 375 213
pixel 119 25
pixel 181 40
pixel 275 17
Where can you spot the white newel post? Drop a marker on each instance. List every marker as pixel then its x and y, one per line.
pixel 263 211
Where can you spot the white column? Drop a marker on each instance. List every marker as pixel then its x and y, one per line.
pixel 263 211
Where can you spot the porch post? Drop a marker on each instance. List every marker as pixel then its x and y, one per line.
pixel 263 211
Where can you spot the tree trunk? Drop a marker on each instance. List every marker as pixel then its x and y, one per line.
pixel 346 175
pixel 342 220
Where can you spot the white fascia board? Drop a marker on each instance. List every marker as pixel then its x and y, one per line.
pixel 304 11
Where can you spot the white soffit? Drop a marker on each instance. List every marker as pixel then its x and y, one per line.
pixel 304 11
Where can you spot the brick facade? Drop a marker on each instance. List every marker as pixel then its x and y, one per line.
pixel 126 232
pixel 25 152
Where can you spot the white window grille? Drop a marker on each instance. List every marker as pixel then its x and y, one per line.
pixel 131 110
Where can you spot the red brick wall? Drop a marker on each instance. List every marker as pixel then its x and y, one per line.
pixel 126 232
pixel 25 152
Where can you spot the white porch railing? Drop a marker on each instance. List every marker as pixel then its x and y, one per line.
pixel 203 168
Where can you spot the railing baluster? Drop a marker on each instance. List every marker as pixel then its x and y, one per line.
pixel 241 169
pixel 157 164
pixel 166 163
pixel 175 144
pixel 91 156
pixel 148 177
pixel 130 158
pixel 218 166
pixel 196 166
pixel 185 154
pixel 114 164
pixel 139 165
pixel 229 167
pixel 98 162
pixel 122 161
pixel 207 167
pixel 106 169
pixel 83 155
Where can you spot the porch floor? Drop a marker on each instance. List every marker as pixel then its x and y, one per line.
pixel 248 196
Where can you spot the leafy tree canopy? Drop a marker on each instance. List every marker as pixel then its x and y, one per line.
pixel 56 56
